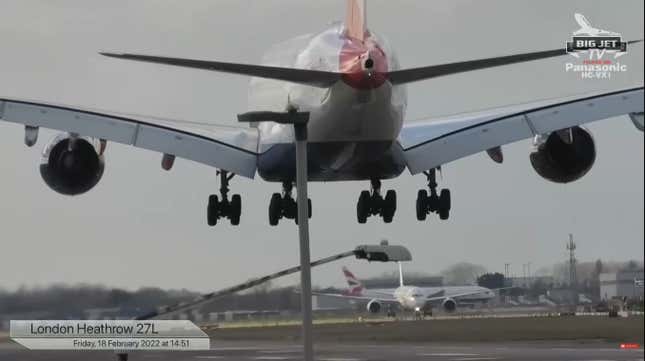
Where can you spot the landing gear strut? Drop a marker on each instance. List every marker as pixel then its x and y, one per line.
pixel 283 205
pixel 224 208
pixel 433 203
pixel 372 204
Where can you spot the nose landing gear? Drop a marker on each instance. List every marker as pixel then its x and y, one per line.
pixel 372 203
pixel 433 202
pixel 224 208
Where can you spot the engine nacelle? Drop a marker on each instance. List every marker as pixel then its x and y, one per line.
pixel 72 169
pixel 564 157
pixel 374 306
pixel 449 305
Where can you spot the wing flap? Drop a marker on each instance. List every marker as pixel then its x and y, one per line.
pixel 229 148
pixel 58 118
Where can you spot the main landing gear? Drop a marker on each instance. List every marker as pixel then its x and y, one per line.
pixel 283 205
pixel 437 203
pixel 224 208
pixel 372 203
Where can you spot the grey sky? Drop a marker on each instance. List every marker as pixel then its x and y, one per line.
pixel 143 226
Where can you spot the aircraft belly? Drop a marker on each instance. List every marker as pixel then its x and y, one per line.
pixel 350 115
pixel 334 161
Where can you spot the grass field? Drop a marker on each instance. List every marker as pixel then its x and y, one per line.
pixel 458 330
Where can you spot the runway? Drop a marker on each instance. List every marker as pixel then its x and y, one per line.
pixel 248 351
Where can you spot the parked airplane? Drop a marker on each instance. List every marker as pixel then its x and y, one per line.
pixel 412 298
pixel 350 82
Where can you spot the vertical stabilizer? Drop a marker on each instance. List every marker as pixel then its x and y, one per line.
pixel 356 19
pixel 355 286
pixel 400 274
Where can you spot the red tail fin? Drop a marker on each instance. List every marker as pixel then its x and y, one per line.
pixel 356 19
pixel 355 286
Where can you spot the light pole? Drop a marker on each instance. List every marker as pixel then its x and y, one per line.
pixel 300 129
pixel 382 253
pixel 299 121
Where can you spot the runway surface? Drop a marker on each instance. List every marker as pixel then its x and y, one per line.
pixel 246 351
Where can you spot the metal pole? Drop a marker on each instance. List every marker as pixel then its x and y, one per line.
pixel 303 230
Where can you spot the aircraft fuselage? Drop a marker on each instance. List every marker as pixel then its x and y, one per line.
pixel 353 125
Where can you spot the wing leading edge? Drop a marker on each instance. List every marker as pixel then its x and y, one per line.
pixel 228 148
pixel 434 142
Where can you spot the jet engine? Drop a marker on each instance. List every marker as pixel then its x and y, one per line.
pixel 72 165
pixel 564 156
pixel 449 305
pixel 374 306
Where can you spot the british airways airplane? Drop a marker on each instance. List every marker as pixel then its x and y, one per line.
pixel 412 298
pixel 350 82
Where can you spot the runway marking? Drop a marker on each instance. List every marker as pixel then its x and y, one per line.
pixel 337 359
pixel 448 354
pixel 270 358
pixel 476 358
pixel 281 351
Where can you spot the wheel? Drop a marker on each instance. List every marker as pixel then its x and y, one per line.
pixel 235 209
pixel 362 207
pixel 212 210
pixel 444 199
pixel 275 209
pixel 444 204
pixel 422 204
pixel 389 206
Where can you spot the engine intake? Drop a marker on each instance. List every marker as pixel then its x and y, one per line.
pixel 72 169
pixel 561 159
pixel 374 306
pixel 449 305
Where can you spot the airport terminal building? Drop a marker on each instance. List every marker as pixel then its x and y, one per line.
pixel 621 284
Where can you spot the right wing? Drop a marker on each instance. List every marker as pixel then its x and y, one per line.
pixel 435 142
pixel 228 148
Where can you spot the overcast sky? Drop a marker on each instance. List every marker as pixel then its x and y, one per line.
pixel 142 226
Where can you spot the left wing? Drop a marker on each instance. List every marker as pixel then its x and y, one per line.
pixel 432 143
pixel 229 148
pixel 381 298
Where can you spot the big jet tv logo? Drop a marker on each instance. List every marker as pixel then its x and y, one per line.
pixel 597 51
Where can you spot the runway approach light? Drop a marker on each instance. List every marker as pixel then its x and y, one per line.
pixel 383 253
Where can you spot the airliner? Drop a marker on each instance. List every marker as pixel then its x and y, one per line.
pixel 349 83
pixel 412 298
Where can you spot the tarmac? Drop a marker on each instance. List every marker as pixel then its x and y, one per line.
pixel 248 351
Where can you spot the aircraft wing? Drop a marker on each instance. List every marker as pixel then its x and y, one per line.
pixel 380 298
pixel 229 148
pixel 433 142
pixel 459 295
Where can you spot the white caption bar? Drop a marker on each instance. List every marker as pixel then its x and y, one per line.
pixel 118 335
